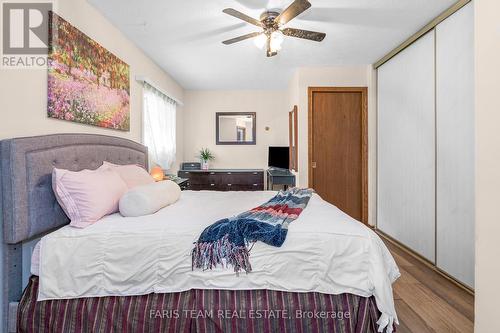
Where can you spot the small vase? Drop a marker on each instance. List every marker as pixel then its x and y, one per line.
pixel 204 165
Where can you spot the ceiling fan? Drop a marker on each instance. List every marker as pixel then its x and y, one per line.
pixel 272 23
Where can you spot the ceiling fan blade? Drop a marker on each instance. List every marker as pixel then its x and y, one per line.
pixel 297 7
pixel 241 16
pixel 304 34
pixel 240 38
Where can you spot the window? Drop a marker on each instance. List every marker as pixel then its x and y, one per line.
pixel 158 126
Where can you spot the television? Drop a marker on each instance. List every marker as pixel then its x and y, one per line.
pixel 279 157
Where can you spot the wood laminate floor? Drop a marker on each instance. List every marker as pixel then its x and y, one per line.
pixel 428 302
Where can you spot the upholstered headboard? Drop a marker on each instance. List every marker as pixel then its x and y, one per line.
pixel 28 204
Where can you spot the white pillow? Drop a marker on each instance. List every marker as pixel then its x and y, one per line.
pixel 133 175
pixel 150 198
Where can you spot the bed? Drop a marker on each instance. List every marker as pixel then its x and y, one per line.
pixel 134 274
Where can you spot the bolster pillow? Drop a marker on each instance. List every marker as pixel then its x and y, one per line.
pixel 148 199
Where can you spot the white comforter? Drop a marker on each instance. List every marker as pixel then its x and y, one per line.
pixel 325 251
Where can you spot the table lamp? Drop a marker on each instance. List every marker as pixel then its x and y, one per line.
pixel 157 173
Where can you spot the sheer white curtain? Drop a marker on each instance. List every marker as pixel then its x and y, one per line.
pixel 158 126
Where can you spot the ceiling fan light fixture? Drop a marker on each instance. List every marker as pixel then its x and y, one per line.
pixel 277 39
pixel 260 41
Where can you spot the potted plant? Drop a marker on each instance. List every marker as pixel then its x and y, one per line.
pixel 205 156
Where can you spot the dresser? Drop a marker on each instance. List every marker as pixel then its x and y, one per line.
pixel 224 179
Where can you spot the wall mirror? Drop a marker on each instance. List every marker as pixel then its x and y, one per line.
pixel 235 128
pixel 293 139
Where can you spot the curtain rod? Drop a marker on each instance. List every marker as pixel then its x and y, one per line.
pixel 428 27
pixel 144 79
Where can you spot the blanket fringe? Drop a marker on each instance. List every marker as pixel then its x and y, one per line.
pixel 208 255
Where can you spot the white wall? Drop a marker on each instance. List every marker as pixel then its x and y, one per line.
pixel 293 91
pixel 487 55
pixel 199 125
pixel 344 76
pixel 23 92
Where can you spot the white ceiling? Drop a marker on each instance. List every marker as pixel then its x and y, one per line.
pixel 184 36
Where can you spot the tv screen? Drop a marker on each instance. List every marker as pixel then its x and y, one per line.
pixel 278 157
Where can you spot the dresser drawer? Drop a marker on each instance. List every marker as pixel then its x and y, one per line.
pixel 242 187
pixel 207 187
pixel 184 174
pixel 243 178
pixel 201 178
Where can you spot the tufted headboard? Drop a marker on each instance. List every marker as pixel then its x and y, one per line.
pixel 29 207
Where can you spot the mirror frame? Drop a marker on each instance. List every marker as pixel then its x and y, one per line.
pixel 254 128
pixel 293 138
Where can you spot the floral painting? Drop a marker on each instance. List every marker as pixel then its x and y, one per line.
pixel 86 83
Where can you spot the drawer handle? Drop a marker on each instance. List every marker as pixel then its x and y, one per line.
pixel 187 172
pixel 212 184
pixel 212 173
pixel 229 173
pixel 255 173
pixel 229 184
pixel 255 184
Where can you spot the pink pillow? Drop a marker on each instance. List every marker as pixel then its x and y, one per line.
pixel 87 195
pixel 132 174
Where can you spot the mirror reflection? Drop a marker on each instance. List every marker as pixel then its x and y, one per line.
pixel 235 128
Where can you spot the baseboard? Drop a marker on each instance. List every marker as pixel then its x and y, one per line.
pixel 424 261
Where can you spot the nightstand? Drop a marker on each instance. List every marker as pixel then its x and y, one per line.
pixel 182 182
pixel 281 177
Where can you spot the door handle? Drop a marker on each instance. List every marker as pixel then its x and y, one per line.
pixel 313 165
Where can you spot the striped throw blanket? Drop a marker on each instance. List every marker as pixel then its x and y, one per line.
pixel 226 241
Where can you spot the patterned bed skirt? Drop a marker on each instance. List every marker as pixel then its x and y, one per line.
pixel 199 311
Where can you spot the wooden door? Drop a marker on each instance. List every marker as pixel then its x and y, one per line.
pixel 338 148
